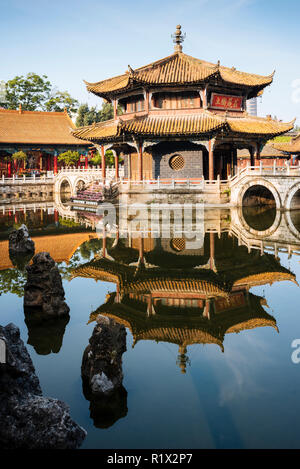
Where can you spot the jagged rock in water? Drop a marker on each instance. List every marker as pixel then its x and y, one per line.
pixel 43 293
pixel 101 367
pixel 20 241
pixel 27 419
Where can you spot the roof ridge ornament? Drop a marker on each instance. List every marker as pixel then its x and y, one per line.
pixel 178 38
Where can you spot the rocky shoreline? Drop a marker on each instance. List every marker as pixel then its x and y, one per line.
pixel 28 420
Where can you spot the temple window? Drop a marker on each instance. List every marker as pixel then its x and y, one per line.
pixel 189 99
pixel 135 104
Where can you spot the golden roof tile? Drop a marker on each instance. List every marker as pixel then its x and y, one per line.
pixel 36 127
pixel 178 68
pixel 289 147
pixel 259 126
pixel 194 124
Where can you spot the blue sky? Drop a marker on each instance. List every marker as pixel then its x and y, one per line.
pixel 93 39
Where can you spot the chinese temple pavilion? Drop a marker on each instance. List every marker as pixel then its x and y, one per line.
pixel 41 135
pixel 168 293
pixel 182 118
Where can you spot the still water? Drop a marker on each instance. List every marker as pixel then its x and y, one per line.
pixel 210 326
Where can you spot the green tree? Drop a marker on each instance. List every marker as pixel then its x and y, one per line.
pixel 87 116
pixel 109 158
pixel 69 158
pixel 107 112
pixel 61 100
pixel 31 92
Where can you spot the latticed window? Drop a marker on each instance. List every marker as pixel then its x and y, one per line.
pixel 176 162
pixel 177 244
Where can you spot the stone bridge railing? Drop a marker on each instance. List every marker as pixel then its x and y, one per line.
pixel 283 183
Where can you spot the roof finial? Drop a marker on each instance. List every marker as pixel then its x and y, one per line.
pixel 178 38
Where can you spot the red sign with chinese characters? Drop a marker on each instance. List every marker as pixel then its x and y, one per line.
pixel 223 101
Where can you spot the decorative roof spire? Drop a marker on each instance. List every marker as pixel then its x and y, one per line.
pixel 178 38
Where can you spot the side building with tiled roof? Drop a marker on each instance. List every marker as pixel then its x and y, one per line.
pixel 41 135
pixel 182 118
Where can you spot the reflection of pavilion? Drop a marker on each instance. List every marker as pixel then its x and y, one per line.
pixel 167 293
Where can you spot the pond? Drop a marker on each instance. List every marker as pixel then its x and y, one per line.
pixel 210 325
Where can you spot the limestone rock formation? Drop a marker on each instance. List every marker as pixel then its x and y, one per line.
pixel 102 359
pixel 20 241
pixel 44 295
pixel 27 419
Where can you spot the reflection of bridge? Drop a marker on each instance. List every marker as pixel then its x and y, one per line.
pixel 282 183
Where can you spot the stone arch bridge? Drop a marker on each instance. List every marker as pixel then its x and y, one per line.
pixel 283 184
pixel 73 177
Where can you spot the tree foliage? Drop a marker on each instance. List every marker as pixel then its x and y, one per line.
pixel 36 93
pixel 61 100
pixel 69 158
pixel 87 116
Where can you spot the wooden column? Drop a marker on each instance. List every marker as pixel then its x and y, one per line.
pixel 147 101
pixel 115 104
pixel 9 169
pixel 103 162
pixel 116 165
pixel 55 164
pixel 104 242
pixel 86 162
pixel 251 156
pixel 48 163
pixel 141 248
pixel 140 162
pixel 257 158
pixel 212 249
pixel 210 161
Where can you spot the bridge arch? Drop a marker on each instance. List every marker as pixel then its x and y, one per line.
pixel 260 182
pixel 77 185
pixel 292 199
pixel 260 233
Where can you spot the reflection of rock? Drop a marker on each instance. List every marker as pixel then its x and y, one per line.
pixel 20 260
pixel 20 241
pixel 43 292
pixel 27 419
pixel 46 337
pixel 102 359
pixel 106 410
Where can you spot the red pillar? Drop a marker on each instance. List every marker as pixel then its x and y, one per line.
pixel 56 216
pixel 210 161
pixel 140 162
pixel 117 165
pixel 103 162
pixel 55 164
pixel 86 162
pixel 9 169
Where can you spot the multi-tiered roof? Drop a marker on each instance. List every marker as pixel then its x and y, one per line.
pixel 180 71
